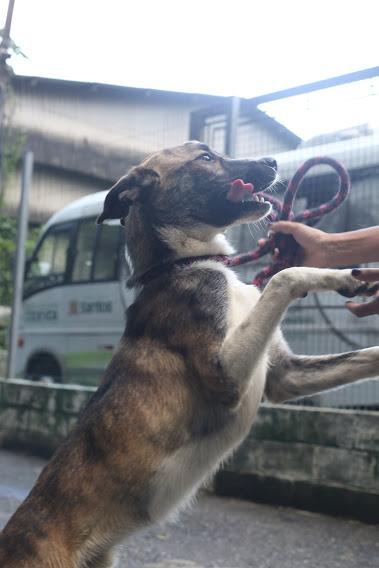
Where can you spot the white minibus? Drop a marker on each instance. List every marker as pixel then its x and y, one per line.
pixel 75 296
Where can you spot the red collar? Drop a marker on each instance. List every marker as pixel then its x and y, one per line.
pixel 166 267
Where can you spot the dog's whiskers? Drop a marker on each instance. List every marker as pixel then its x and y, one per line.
pixel 276 185
pixel 251 227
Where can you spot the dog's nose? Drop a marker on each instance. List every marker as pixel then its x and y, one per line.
pixel 271 162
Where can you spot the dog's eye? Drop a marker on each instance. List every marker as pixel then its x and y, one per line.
pixel 207 157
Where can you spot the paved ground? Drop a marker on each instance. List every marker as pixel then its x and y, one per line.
pixel 224 533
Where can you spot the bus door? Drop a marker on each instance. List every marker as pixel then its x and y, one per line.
pixel 43 333
pixel 93 301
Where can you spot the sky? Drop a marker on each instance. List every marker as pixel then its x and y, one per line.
pixel 226 47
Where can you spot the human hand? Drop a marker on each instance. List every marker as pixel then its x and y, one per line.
pixel 313 242
pixel 368 308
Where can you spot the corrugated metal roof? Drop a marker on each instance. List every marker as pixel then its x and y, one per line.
pixel 106 88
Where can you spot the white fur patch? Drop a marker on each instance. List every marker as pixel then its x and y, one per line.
pixel 195 242
pixel 241 297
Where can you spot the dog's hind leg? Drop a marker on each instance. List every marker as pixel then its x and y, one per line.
pixel 292 376
pixel 243 348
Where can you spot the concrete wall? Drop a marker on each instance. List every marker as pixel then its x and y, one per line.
pixel 323 460
pixel 38 416
pixel 318 459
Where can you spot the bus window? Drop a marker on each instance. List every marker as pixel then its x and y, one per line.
pixel 85 244
pixel 106 253
pixel 49 263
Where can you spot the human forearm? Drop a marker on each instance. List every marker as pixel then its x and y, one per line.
pixel 354 247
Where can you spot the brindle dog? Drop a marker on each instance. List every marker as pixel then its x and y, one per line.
pixel 199 352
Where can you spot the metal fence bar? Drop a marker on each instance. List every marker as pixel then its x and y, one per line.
pixel 27 172
pixel 231 127
pixel 316 86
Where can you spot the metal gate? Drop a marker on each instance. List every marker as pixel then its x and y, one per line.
pixel 259 127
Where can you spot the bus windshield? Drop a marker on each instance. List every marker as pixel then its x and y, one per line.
pixel 74 252
pixel 48 265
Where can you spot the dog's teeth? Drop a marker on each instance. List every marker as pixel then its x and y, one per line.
pixel 254 197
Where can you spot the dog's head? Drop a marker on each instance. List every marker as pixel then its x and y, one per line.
pixel 189 186
pixel 177 201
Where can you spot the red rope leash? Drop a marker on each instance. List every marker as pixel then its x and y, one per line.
pixel 282 211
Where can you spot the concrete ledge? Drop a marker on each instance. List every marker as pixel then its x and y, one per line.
pixel 323 426
pixel 329 499
pixel 317 459
pixel 38 416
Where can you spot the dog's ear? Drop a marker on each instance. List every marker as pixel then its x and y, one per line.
pixel 128 190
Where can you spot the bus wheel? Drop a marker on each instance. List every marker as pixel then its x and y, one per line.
pixel 44 368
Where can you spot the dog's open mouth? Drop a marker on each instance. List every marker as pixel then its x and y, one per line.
pixel 241 192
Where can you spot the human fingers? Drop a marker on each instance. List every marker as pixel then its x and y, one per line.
pixel 366 274
pixel 363 310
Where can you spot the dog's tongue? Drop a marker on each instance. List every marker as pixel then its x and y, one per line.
pixel 238 190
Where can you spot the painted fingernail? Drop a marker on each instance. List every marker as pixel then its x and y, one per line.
pixel 356 272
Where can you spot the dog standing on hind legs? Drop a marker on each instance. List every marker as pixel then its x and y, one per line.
pixel 199 352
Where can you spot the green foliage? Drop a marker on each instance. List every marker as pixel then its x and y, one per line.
pixel 13 144
pixel 7 249
pixel 8 233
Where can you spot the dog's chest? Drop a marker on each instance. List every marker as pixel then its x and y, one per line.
pixel 184 471
pixel 241 299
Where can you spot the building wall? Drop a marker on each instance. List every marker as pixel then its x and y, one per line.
pixel 51 190
pixel 254 137
pixel 142 120
pixel 84 136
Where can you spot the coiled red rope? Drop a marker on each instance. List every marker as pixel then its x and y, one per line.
pixel 283 211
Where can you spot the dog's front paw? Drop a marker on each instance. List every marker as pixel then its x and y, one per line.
pixel 352 287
